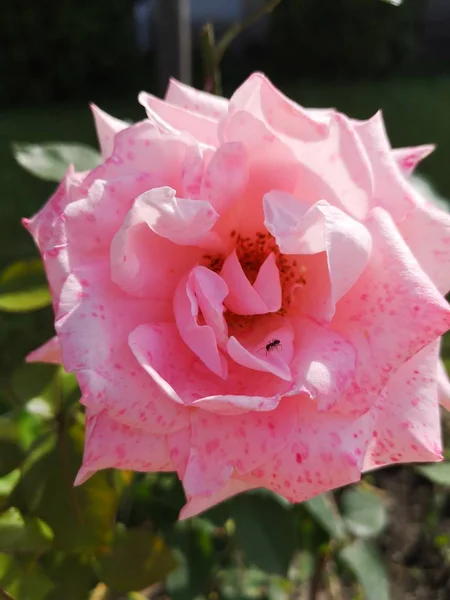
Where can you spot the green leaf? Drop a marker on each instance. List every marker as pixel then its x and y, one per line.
pixel 363 511
pixel 72 576
pixel 265 531
pixel 438 473
pixel 23 578
pixel 81 517
pixel 23 287
pixel 50 161
pixel 366 563
pixel 11 452
pixel 324 510
pixel 23 534
pixel 137 559
pixel 31 381
pixel 7 484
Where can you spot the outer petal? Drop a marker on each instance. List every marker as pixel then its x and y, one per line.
pixel 391 313
pixel 443 385
pixel 109 444
pixel 50 352
pixel 220 444
pixel 426 230
pixel 325 452
pixel 407 414
pixel 331 161
pixel 93 322
pixel 301 229
pixel 407 159
pixel 161 226
pixel 195 100
pixel 107 127
pixel 202 128
pixel 391 190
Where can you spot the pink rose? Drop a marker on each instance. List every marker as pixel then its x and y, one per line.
pixel 250 294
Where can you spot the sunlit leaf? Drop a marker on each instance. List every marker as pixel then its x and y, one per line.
pixel 80 517
pixel 366 563
pixel 324 510
pixel 438 473
pixel 363 511
pixel 23 534
pixel 137 559
pixel 23 578
pixel 50 161
pixel 265 531
pixel 7 483
pixel 23 287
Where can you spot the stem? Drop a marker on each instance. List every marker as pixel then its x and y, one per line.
pixel 316 579
pixel 240 26
pixel 4 594
pixel 213 83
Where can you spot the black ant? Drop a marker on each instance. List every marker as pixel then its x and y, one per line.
pixel 271 346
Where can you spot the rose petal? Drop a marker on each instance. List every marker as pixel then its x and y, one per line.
pixel 300 229
pixel 443 385
pixel 407 159
pixel 109 444
pixel 50 352
pixel 202 339
pixel 107 127
pixel 407 415
pixel 264 296
pixel 195 100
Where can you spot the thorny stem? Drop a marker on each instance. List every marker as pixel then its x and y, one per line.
pixel 213 53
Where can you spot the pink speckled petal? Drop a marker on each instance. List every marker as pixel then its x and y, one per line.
pixel 301 229
pixel 331 160
pixel 262 297
pixel 426 230
pixel 443 385
pixel 109 444
pixel 226 176
pixel 50 352
pixel 407 415
pixel 325 452
pixel 221 444
pixel 198 504
pixel 195 100
pixel 93 322
pixel 324 362
pixel 276 360
pixel 166 227
pixel 392 191
pixel 201 127
pixel 390 314
pixel 179 374
pixel 107 127
pixel 407 159
pixel 202 290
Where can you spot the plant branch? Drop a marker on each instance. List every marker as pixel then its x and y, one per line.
pixel 4 595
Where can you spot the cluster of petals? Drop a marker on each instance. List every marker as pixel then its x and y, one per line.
pixel 251 294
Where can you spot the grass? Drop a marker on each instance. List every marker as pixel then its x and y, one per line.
pixel 416 112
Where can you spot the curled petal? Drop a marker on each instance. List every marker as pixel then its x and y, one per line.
pixel 301 229
pixel 262 297
pixel 109 444
pixel 407 159
pixel 107 127
pixel 202 290
pixel 160 225
pixel 202 128
pixel 195 100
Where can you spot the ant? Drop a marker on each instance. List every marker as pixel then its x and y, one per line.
pixel 271 346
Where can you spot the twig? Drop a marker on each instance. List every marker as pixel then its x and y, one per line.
pixel 213 82
pixel 240 26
